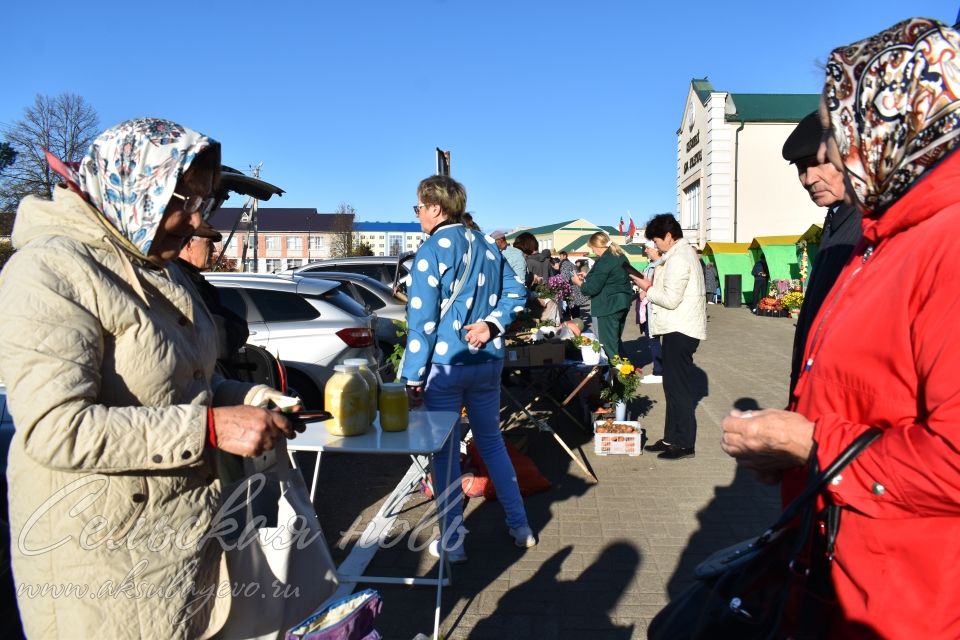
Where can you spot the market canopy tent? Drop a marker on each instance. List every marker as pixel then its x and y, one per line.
pixel 732 258
pixel 780 253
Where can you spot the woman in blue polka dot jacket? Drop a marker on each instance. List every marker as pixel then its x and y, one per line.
pixel 462 294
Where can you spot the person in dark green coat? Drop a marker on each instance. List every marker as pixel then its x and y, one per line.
pixel 610 291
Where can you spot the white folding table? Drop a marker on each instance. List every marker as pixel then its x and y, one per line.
pixel 426 435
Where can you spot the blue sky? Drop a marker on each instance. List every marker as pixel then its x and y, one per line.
pixel 551 110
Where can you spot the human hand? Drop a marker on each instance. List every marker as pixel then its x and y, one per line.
pixel 768 440
pixel 643 283
pixel 537 279
pixel 477 334
pixel 415 396
pixel 249 431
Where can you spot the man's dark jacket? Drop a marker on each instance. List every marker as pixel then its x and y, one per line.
pixel 841 233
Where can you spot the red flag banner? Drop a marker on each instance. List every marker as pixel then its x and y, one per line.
pixel 620 226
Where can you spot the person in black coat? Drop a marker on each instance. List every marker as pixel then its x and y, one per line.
pixel 761 282
pixel 841 227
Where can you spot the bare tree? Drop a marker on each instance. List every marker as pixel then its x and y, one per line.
pixel 342 244
pixel 65 125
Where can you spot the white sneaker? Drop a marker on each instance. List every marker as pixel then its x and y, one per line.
pixel 455 555
pixel 651 379
pixel 523 537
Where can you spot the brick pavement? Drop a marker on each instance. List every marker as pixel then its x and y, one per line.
pixel 610 553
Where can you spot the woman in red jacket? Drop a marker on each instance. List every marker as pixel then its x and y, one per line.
pixel 892 106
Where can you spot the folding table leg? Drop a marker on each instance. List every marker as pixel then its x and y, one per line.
pixel 543 426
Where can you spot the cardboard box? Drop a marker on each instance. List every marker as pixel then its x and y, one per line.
pixel 542 353
pixel 534 355
pixel 631 444
pixel 516 356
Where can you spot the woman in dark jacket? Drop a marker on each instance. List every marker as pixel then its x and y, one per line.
pixel 610 291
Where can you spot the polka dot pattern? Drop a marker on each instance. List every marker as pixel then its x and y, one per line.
pixel 490 255
pixel 432 280
pixel 414 346
pixel 445 243
pixel 421 371
pixel 429 327
pixel 498 343
pixel 468 235
pixel 443 268
pixel 481 279
pixel 422 265
pixel 493 299
pixel 470 302
pixel 456 325
pixel 441 348
pixel 497 314
pixel 416 302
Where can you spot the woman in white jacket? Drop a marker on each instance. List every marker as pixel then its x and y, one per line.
pixel 681 322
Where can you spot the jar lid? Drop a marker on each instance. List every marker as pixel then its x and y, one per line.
pixel 346 368
pixel 360 362
pixel 393 386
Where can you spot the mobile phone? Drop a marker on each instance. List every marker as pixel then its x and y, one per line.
pixel 309 416
pixel 631 270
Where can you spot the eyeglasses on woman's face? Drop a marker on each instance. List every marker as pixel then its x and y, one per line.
pixel 196 204
pixel 417 207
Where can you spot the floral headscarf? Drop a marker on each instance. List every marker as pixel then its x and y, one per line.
pixel 894 104
pixel 131 170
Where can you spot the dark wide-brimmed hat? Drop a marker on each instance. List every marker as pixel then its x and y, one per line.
pixel 805 139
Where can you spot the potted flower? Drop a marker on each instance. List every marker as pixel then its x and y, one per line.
pixel 624 383
pixel 792 300
pixel 555 288
pixel 589 348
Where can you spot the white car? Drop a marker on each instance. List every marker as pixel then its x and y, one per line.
pixel 309 324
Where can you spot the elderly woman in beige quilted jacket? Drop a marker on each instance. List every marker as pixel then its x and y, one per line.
pixel 109 365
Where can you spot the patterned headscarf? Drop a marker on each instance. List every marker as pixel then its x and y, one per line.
pixel 894 103
pixel 131 170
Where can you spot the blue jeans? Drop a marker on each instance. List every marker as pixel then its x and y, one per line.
pixel 476 386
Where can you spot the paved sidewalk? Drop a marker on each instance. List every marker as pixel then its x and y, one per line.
pixel 610 553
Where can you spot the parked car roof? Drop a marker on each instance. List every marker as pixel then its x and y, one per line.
pixel 280 282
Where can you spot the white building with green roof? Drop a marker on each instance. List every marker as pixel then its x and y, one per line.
pixel 732 182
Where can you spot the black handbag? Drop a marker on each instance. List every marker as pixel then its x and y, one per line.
pixel 776 585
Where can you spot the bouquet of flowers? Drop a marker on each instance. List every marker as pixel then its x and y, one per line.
pixel 555 288
pixel 624 381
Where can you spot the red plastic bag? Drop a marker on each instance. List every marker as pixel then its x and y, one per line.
pixel 476 482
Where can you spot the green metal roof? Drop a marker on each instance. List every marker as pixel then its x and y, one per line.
pixel 772 107
pixel 577 244
pixel 703 89
pixel 550 228
pixel 613 231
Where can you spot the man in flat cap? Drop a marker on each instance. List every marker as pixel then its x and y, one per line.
pixel 194 258
pixel 841 227
pixel 511 254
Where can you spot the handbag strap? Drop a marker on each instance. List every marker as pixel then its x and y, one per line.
pixel 818 484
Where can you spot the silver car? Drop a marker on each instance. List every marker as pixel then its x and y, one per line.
pixel 375 297
pixel 309 324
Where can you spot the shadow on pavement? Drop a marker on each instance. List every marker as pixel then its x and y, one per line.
pixel 741 510
pixel 561 605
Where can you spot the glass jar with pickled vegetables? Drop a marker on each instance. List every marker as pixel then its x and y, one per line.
pixel 345 396
pixel 371 379
pixel 394 407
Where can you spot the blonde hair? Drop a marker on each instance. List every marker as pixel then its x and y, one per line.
pixel 601 240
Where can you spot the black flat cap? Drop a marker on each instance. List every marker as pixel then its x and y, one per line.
pixel 206 231
pixel 805 139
